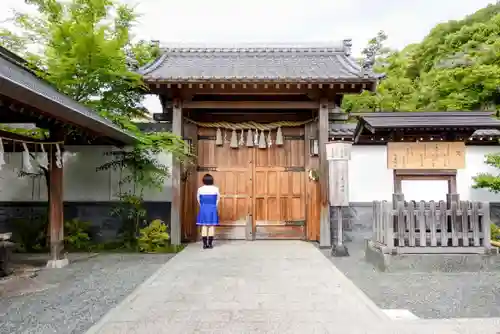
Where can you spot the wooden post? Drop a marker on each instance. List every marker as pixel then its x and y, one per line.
pixel 486 225
pixel 56 206
pixel 175 210
pixel 189 183
pixel 338 155
pixel 340 229
pixel 325 236
pixel 388 225
pixel 312 195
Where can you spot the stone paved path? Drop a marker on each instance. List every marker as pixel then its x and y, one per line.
pixel 259 287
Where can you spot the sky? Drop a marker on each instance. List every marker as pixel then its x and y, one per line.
pixel 288 21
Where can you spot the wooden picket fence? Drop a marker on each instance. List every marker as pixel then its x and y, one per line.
pixel 432 227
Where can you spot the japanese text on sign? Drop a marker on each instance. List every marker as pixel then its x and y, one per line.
pixel 427 155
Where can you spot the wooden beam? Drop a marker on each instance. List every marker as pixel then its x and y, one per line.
pixel 15 136
pixel 14 117
pixel 250 105
pixel 425 172
pixel 189 181
pixel 325 229
pixel 56 206
pixel 175 210
pixel 328 90
pixel 249 116
pixel 312 196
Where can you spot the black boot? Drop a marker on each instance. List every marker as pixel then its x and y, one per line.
pixel 205 244
pixel 210 240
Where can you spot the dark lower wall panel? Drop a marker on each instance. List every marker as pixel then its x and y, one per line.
pixel 104 225
pixel 495 213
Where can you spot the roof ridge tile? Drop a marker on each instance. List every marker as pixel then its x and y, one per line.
pixel 343 47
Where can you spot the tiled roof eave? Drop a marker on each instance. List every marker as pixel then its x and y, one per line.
pixel 348 133
pixel 290 80
pixel 18 83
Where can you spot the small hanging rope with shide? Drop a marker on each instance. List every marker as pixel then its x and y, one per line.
pixel 41 157
pixel 255 134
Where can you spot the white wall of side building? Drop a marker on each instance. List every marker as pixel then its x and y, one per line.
pixel 370 179
pixel 82 183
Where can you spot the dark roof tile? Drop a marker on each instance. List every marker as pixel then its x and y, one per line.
pixel 443 119
pixel 339 130
pixel 429 120
pixel 281 63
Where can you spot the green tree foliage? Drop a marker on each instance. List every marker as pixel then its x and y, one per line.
pixel 488 180
pixel 455 67
pixel 85 49
pixel 395 91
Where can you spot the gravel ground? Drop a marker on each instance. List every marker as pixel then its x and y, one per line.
pixel 427 295
pixel 79 295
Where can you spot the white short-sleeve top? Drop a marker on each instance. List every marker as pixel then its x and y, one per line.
pixel 208 190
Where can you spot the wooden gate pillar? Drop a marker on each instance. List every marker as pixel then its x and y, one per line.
pixel 325 230
pixel 56 206
pixel 189 181
pixel 175 211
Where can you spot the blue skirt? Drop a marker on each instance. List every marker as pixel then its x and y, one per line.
pixel 208 215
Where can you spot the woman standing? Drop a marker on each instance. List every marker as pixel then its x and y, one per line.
pixel 208 217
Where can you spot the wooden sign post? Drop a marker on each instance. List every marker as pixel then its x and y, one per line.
pixel 338 156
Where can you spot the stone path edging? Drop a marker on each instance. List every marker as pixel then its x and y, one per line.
pixel 108 316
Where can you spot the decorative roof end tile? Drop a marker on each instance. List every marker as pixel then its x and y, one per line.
pixel 347 43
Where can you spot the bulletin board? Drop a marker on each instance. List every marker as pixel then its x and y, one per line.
pixel 426 155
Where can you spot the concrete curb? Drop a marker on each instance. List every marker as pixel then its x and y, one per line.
pixel 361 296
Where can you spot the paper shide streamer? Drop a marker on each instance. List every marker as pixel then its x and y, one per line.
pixel 27 167
pixel 43 159
pixel 27 158
pixel 58 157
pixel 2 158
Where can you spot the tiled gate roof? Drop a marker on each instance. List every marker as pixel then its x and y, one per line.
pixel 269 63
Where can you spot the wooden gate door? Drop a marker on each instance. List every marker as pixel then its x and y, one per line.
pixel 262 190
pixel 233 175
pixel 279 189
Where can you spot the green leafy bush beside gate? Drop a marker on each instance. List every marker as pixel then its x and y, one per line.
pixel 495 232
pixel 76 235
pixel 154 238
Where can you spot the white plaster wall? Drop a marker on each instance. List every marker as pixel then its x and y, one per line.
pixel 13 188
pixel 425 190
pixel 81 180
pixel 369 178
pixel 475 164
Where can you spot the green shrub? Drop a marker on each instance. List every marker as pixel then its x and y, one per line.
pixel 30 234
pixel 154 238
pixel 76 235
pixel 495 232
